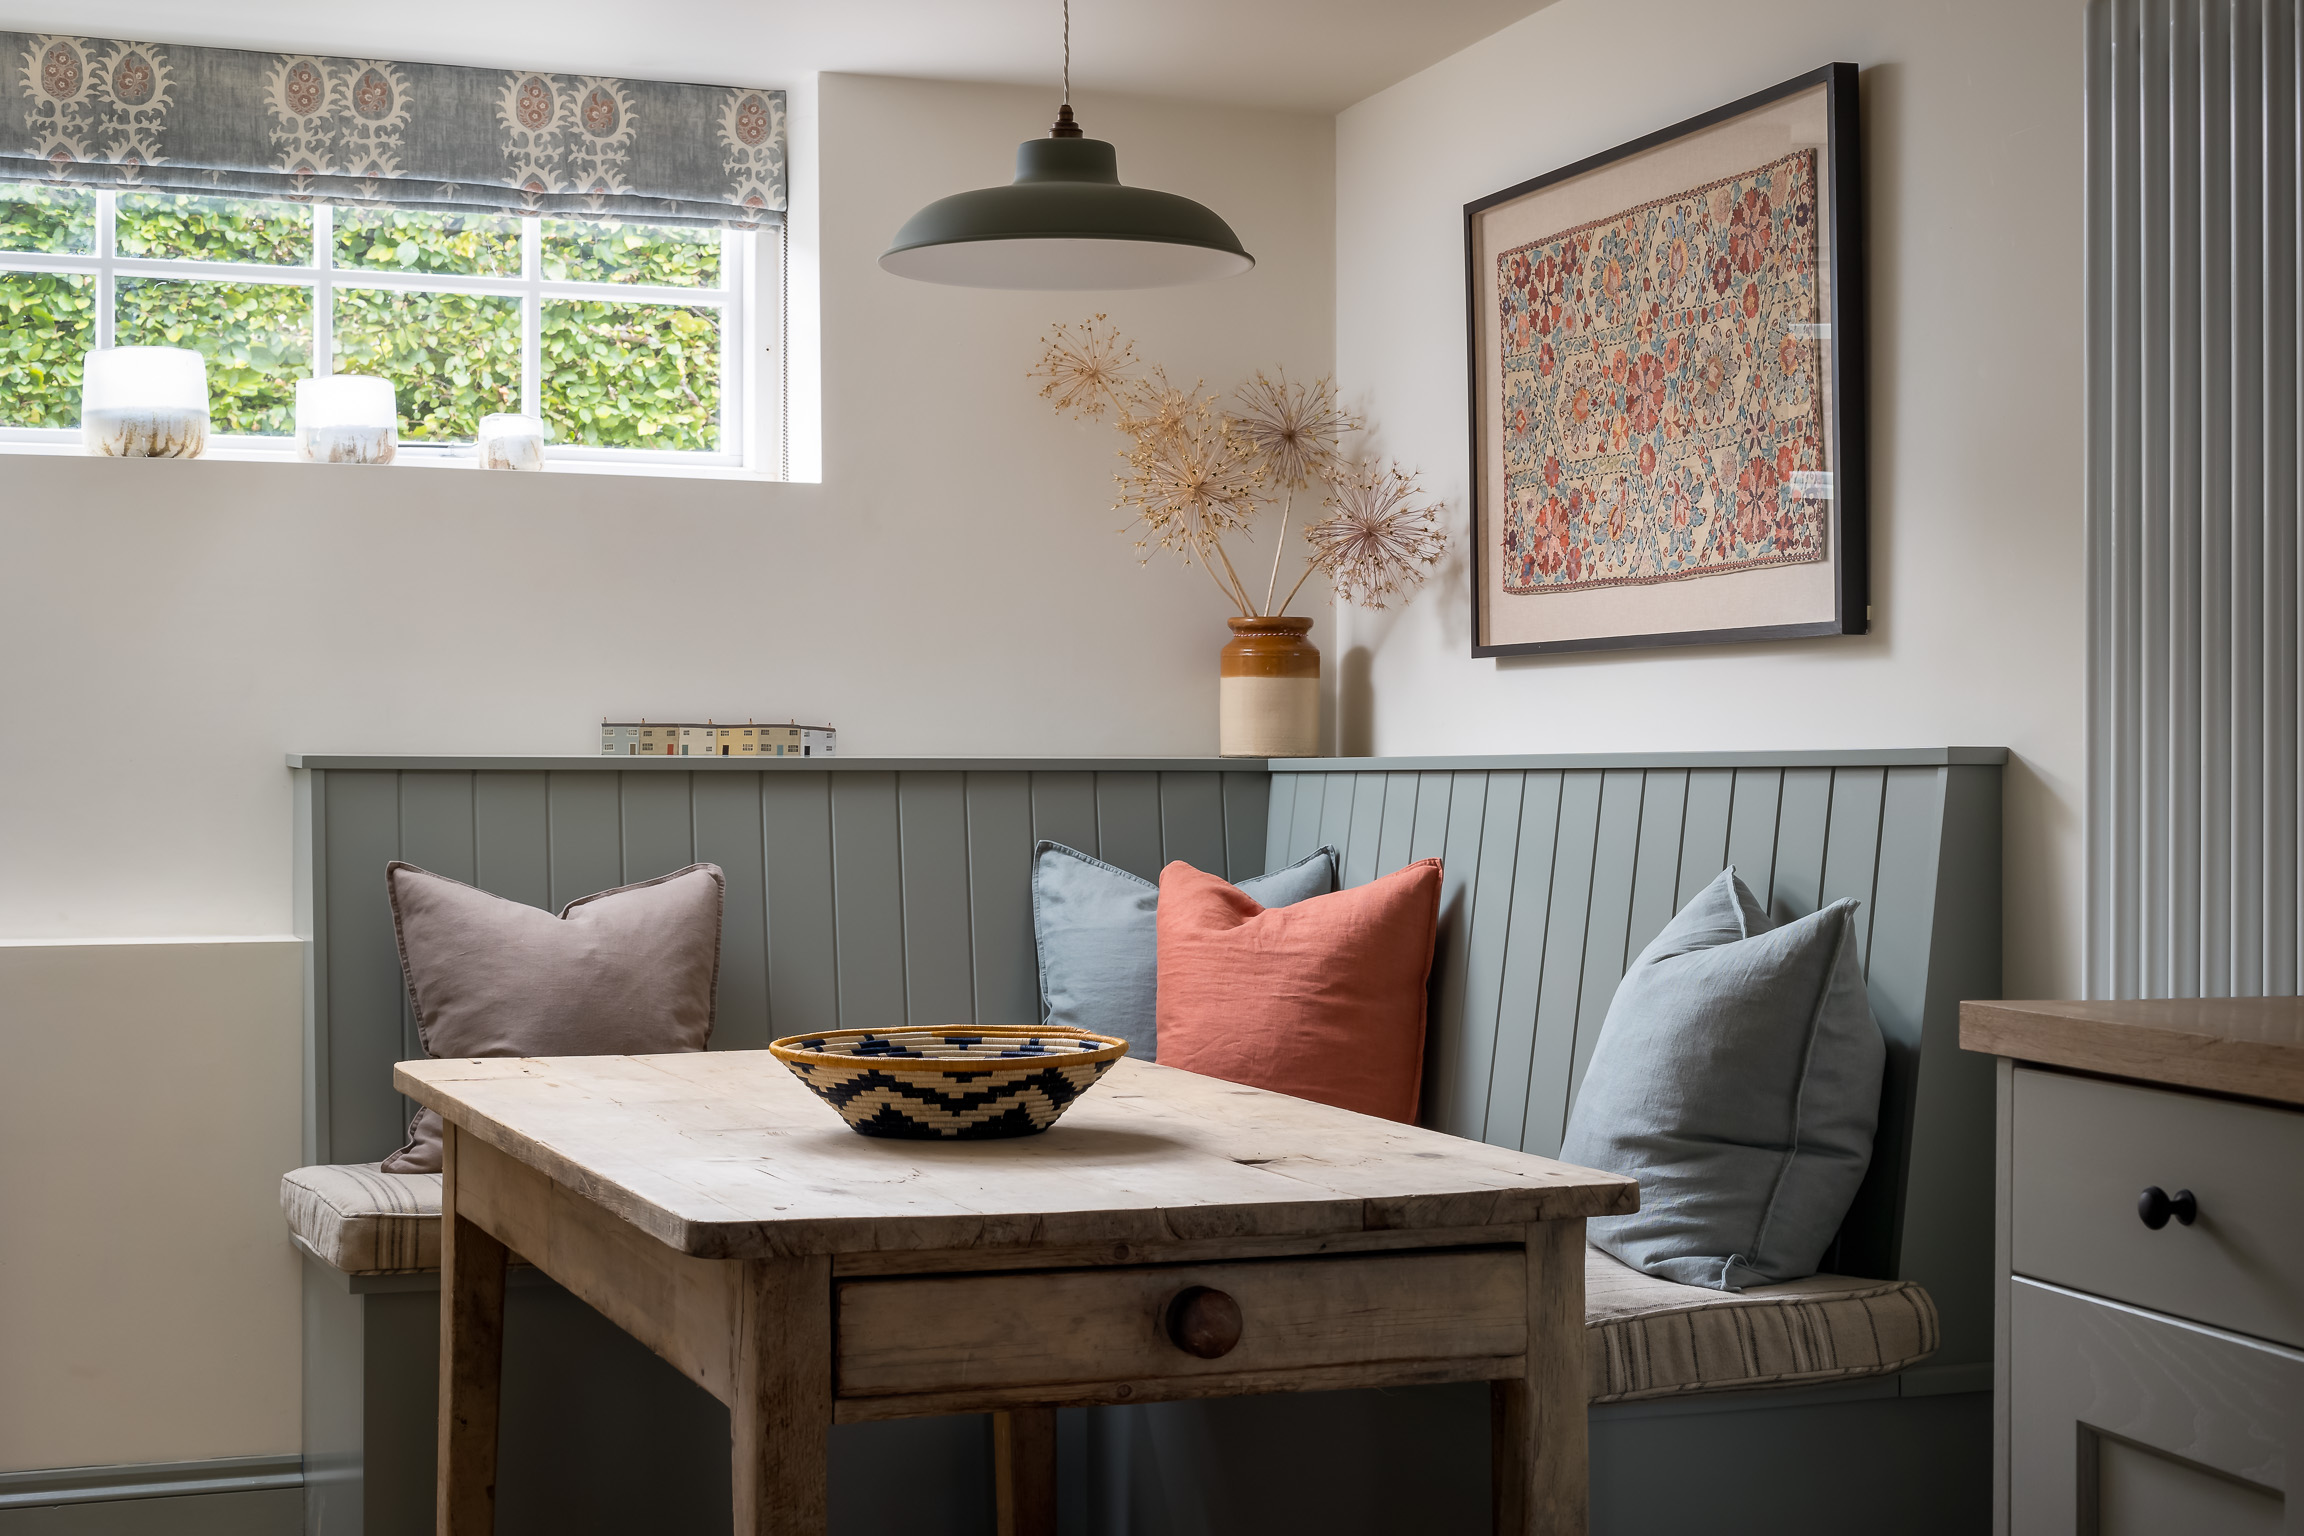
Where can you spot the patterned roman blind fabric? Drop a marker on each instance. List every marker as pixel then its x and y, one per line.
pixel 290 125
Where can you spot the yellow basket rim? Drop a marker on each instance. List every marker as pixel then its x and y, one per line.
pixel 1109 1048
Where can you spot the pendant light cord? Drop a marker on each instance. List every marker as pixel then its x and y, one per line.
pixel 1067 127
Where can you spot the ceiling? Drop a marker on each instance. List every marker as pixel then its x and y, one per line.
pixel 1306 55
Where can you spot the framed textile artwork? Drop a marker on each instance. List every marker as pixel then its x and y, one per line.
pixel 1667 370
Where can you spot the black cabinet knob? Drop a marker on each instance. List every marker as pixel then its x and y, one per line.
pixel 2156 1205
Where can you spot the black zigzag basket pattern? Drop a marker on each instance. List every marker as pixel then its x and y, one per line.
pixel 959 1084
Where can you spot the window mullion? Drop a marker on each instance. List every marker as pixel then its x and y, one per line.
pixel 104 254
pixel 532 318
pixel 323 290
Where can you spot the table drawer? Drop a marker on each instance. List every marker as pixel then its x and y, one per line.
pixel 967 1333
pixel 2084 1150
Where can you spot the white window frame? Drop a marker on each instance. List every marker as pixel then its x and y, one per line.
pixel 750 299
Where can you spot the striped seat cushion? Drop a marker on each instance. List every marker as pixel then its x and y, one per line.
pixel 1658 1338
pixel 1650 1337
pixel 363 1221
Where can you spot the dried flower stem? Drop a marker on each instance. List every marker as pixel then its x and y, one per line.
pixel 1239 588
pixel 1231 594
pixel 1196 474
pixel 1279 545
pixel 1309 567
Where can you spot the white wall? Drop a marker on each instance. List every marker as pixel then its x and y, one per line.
pixel 149 1299
pixel 1972 128
pixel 954 585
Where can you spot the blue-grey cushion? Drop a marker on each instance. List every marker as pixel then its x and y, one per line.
pixel 1738 1079
pixel 1098 932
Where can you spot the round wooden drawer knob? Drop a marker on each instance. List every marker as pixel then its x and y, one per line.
pixel 1204 1322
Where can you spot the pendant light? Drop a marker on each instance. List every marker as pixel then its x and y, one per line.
pixel 1066 222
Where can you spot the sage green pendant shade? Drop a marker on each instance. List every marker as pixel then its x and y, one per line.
pixel 1066 222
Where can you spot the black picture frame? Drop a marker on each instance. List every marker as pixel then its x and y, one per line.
pixel 1848 533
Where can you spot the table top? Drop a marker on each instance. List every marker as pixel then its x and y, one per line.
pixel 2249 1046
pixel 724 1154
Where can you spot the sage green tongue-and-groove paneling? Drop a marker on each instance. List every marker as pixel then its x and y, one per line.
pixel 939 956
pixel 1557 876
pixel 1007 962
pixel 727 820
pixel 1192 823
pixel 585 846
pixel 858 894
pixel 890 892
pixel 1556 879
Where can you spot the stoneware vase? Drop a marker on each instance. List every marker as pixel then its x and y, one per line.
pixel 1268 692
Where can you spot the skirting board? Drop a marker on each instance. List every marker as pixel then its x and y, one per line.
pixel 231 1496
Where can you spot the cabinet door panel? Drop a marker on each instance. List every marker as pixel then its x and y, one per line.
pixel 2143 1493
pixel 2124 1421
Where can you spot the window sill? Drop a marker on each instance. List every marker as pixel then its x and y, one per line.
pixel 228 453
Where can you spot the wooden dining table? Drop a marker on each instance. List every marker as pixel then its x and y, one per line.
pixel 1173 1236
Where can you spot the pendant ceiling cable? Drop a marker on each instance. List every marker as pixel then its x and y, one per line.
pixel 1066 222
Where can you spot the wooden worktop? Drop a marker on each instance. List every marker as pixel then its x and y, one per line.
pixel 2250 1046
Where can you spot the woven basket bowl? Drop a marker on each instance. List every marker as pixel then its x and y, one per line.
pixel 958 1084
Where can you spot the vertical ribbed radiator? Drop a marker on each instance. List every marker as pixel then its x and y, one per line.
pixel 2192 542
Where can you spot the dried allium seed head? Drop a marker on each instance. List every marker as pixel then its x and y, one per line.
pixel 1085 368
pixel 1380 539
pixel 1190 479
pixel 1296 429
pixel 1151 406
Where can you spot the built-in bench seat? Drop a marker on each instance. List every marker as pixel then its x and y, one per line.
pixel 1649 1338
pixel 878 893
pixel 357 1218
pixel 1653 1338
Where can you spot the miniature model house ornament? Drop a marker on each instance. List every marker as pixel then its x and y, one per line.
pixel 689 738
pixel 144 403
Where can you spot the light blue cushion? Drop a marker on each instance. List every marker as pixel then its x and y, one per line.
pixel 1099 937
pixel 1738 1079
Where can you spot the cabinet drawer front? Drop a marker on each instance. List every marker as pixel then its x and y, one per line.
pixel 960 1333
pixel 2084 1150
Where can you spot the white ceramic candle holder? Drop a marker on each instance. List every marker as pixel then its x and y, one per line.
pixel 511 442
pixel 347 418
pixel 144 403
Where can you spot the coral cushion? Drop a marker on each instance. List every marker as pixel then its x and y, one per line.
pixel 1323 999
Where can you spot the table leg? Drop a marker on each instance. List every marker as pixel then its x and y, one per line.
pixel 1537 1423
pixel 781 1418
pixel 1024 1471
pixel 471 1362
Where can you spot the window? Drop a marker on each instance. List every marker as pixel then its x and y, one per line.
pixel 641 346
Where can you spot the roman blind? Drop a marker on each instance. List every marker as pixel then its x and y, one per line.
pixel 167 118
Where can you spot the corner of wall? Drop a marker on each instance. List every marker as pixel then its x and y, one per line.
pixel 803 287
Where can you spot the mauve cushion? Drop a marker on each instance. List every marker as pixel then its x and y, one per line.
pixel 1323 999
pixel 632 971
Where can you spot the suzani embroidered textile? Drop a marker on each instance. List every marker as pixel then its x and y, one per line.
pixel 1663 405
pixel 289 125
